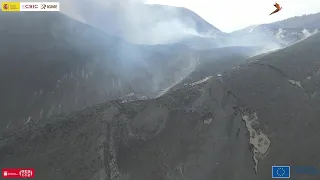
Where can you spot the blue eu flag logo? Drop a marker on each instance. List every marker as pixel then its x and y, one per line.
pixel 280 172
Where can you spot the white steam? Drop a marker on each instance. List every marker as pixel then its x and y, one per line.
pixel 132 19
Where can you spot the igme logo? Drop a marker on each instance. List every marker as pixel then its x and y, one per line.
pixel 43 6
pixel 49 6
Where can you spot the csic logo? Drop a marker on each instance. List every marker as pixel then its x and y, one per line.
pixel 30 6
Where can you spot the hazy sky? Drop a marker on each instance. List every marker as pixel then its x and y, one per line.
pixel 230 15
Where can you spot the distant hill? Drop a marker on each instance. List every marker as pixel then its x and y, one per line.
pixel 160 24
pixel 310 21
pixel 277 34
pixel 144 23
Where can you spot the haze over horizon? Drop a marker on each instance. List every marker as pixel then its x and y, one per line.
pixel 227 15
pixel 232 15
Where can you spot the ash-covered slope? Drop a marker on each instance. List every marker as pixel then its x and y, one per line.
pixel 231 127
pixel 214 62
pixel 278 34
pixel 50 63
